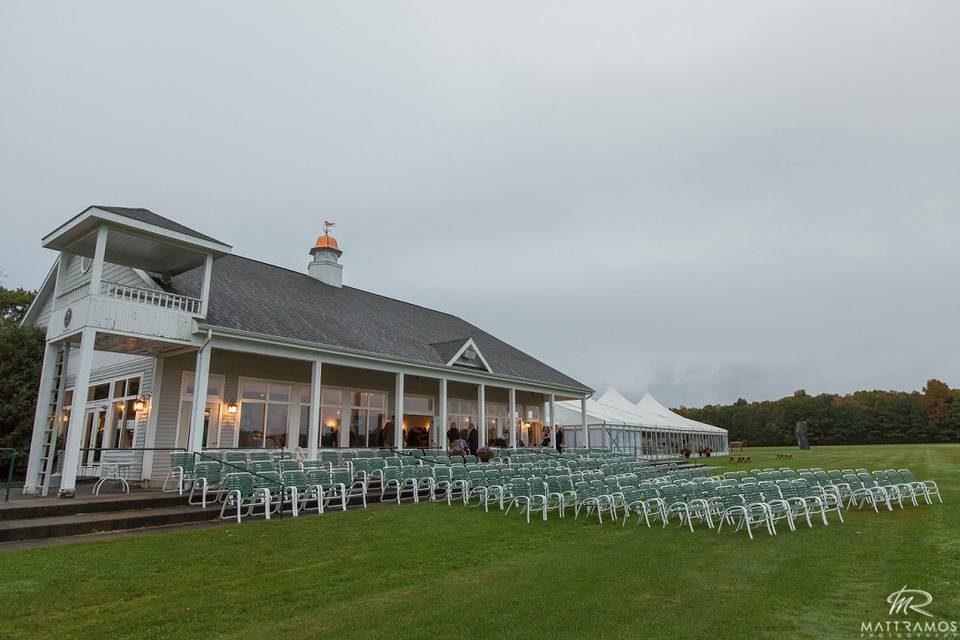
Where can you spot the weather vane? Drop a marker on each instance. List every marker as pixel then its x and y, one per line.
pixel 327 225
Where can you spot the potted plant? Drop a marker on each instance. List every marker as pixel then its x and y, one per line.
pixel 484 454
pixel 686 451
pixel 705 452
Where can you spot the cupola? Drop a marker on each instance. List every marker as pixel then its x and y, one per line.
pixel 326 253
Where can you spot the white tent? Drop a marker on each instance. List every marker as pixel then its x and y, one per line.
pixel 613 422
pixel 649 403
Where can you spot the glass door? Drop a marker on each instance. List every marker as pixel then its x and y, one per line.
pixel 94 426
pixel 211 424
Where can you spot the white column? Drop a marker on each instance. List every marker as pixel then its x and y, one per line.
pixel 78 414
pixel 442 427
pixel 96 269
pixel 482 415
pixel 512 393
pixel 201 380
pixel 552 402
pixel 150 441
pixel 61 275
pixel 313 433
pixel 205 288
pixel 398 413
pixel 41 419
pixel 583 422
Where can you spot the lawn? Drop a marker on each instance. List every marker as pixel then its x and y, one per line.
pixel 431 571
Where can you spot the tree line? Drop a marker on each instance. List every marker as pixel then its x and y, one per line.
pixel 21 356
pixel 861 417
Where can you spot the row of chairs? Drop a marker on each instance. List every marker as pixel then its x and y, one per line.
pixel 735 499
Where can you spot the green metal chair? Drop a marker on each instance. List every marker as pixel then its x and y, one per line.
pixel 207 477
pixel 181 469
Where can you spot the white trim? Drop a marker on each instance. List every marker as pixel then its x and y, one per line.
pixel 466 345
pixel 250 342
pixel 398 412
pixel 99 255
pixel 71 458
pixel 205 286
pixel 481 415
pixel 313 430
pixel 512 411
pixel 36 306
pixel 442 430
pixel 141 228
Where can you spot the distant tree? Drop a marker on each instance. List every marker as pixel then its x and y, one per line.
pixel 14 304
pixel 21 356
pixel 862 417
pixel 935 402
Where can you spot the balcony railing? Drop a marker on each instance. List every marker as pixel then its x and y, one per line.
pixel 72 295
pixel 151 296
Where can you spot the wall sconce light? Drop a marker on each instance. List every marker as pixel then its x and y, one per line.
pixel 140 403
pixel 206 412
pixel 232 408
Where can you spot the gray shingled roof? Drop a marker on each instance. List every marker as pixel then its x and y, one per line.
pixel 253 296
pixel 149 217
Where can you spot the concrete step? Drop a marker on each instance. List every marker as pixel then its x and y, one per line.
pixel 27 508
pixel 81 523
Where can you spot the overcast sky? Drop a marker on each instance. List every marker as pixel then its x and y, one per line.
pixel 705 200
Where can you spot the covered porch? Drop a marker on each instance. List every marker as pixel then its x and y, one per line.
pixel 270 397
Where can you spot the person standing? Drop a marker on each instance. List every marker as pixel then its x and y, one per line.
pixel 385 436
pixel 473 439
pixel 453 434
pixel 559 440
pixel 546 437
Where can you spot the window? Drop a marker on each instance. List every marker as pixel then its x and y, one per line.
pixel 498 421
pixel 331 416
pixel 124 414
pixel 529 429
pixel 418 405
pixel 368 423
pixel 211 417
pixel 461 414
pixel 331 410
pixel 264 413
pixel 98 392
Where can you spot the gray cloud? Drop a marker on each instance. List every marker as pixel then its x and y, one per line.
pixel 705 200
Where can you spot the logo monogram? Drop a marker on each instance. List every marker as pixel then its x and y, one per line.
pixel 906 600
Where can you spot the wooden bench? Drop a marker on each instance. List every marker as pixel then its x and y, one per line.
pixel 784 456
pixel 739 458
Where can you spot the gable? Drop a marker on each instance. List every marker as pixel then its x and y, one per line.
pixel 468 356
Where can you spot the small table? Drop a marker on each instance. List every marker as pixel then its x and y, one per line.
pixel 116 471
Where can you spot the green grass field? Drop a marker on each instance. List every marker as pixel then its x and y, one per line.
pixel 431 571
